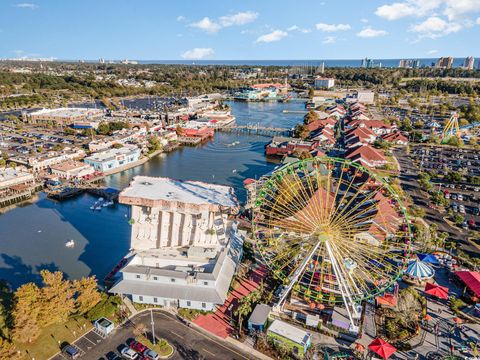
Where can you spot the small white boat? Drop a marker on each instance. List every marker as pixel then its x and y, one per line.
pixel 98 207
pixel 234 171
pixel 70 244
pixel 107 203
pixel 92 207
pixel 101 199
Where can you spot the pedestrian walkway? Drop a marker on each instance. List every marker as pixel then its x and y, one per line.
pixel 129 305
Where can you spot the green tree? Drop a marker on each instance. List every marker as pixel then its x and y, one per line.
pixel 244 308
pixel 8 350
pixel 87 294
pixel 26 312
pixel 103 128
pixel 310 117
pixel 57 301
pixel 301 131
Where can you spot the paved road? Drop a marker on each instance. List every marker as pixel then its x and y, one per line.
pixel 408 180
pixel 189 343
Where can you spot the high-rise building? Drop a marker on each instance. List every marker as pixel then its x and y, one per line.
pixel 468 63
pixel 445 62
pixel 409 63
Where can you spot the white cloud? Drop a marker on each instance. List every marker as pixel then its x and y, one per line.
pixel 240 18
pixel 478 21
pixel 457 9
pixel 212 26
pixel 329 40
pixel 299 29
pixel 432 52
pixel 275 35
pixel 332 27
pixel 435 27
pixel 363 20
pixel 206 25
pixel 368 32
pixel 197 53
pixel 181 18
pixel 453 9
pixel 26 6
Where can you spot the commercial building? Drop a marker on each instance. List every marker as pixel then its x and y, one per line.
pixel 63 116
pixel 184 249
pixel 112 159
pixel 72 170
pixel 12 177
pixel 324 83
pixel 43 161
pixel 293 338
pixel 445 62
pixel 365 96
pixel 469 63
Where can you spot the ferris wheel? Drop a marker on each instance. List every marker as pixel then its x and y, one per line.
pixel 331 231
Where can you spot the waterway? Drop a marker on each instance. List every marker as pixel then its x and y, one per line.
pixel 33 237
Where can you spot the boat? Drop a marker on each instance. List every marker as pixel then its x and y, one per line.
pixel 101 199
pixel 70 244
pixel 234 171
pixel 98 207
pixel 107 203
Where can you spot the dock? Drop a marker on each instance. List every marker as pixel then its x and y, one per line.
pixel 256 129
pixel 18 193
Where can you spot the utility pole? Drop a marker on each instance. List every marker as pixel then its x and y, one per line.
pixel 153 327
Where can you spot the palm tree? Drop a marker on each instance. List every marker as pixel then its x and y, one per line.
pixel 243 309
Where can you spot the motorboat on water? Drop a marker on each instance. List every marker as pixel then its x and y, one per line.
pixel 70 244
pixel 107 203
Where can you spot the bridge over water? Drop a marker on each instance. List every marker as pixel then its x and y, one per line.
pixel 256 129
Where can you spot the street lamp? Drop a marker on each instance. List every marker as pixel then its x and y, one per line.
pixel 153 326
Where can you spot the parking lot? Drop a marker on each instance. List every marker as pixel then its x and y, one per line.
pixel 188 342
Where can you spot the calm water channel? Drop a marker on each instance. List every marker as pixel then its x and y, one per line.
pixel 33 237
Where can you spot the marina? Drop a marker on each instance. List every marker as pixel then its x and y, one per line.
pixel 33 236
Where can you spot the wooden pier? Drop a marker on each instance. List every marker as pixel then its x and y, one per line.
pixel 256 129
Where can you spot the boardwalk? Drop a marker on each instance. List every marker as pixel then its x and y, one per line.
pixel 256 129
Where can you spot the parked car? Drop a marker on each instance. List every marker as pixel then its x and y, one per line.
pixel 151 355
pixel 128 353
pixel 460 197
pixel 71 352
pixel 138 347
pixel 476 211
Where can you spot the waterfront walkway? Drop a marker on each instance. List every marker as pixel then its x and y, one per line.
pixel 256 129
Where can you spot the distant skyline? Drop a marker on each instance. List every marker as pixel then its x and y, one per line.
pixel 247 30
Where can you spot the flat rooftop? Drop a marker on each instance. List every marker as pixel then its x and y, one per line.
pixel 111 154
pixel 66 112
pixel 189 192
pixel 11 173
pixel 68 165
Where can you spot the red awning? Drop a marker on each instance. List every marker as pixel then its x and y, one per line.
pixel 471 279
pixel 382 348
pixel 387 299
pixel 436 290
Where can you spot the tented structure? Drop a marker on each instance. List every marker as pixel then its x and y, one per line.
pixel 418 272
pixel 382 348
pixel 438 291
pixel 428 258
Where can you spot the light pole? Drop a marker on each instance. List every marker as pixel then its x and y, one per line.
pixel 153 326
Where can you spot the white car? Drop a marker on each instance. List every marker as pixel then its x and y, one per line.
pixel 128 353
pixel 460 197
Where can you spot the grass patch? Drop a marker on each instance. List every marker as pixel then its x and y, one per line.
pixel 191 314
pixel 52 337
pixel 161 347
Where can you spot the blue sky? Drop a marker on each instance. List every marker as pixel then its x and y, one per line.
pixel 229 30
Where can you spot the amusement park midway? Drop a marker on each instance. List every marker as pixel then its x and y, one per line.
pixel 298 215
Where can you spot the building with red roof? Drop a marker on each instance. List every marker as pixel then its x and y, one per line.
pixel 367 156
pixel 396 138
pixel 471 281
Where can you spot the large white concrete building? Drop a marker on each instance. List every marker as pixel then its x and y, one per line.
pixel 184 249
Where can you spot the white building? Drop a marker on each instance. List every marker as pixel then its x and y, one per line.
pixel 43 161
pixel 324 83
pixel 365 96
pixel 112 159
pixel 72 169
pixel 15 176
pixel 184 248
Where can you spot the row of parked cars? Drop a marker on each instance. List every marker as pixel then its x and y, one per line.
pixel 137 351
